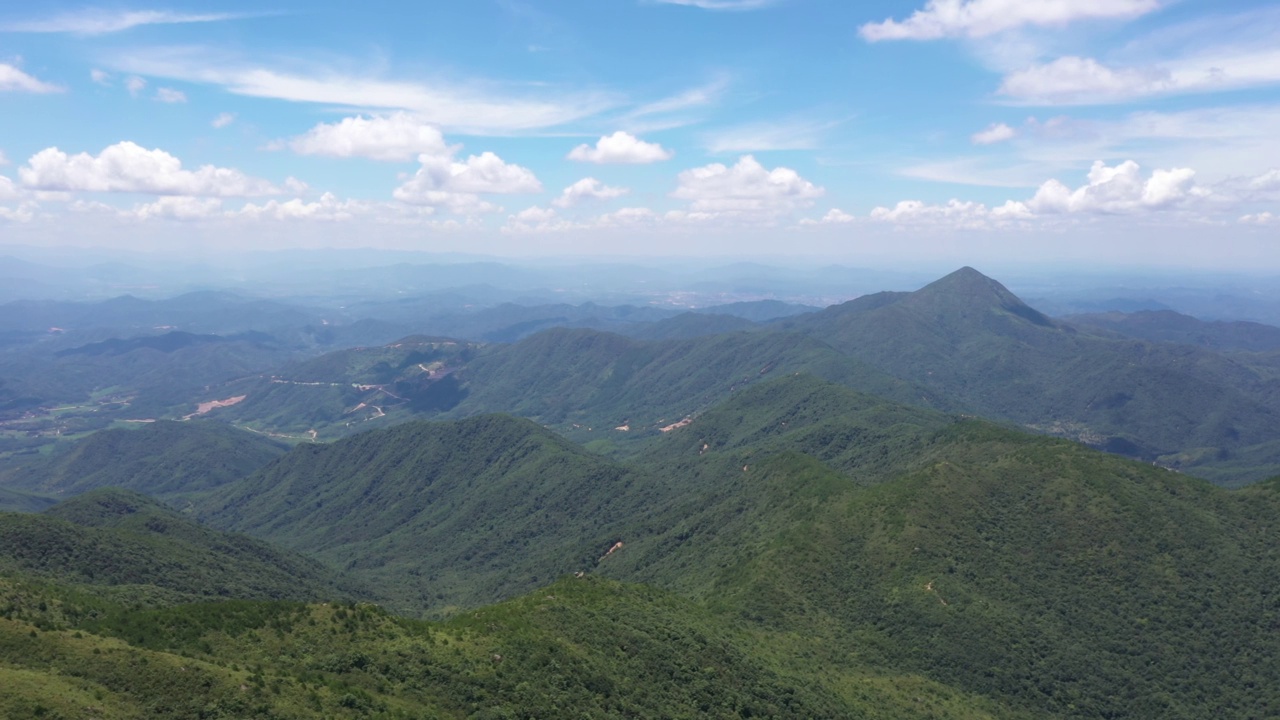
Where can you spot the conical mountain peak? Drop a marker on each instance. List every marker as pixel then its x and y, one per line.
pixel 968 289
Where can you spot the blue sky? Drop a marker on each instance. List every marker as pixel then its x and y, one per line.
pixel 1110 131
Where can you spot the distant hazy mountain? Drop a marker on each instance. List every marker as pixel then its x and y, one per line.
pixel 967 337
pixel 1169 326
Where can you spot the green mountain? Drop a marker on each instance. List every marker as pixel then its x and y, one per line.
pixel 440 515
pixel 163 459
pixel 582 648
pixel 354 389
pixel 846 532
pixel 17 501
pixel 1170 326
pixel 133 547
pixel 968 338
pixel 588 383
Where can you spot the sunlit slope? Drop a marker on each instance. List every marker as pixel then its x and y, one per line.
pixel 967 337
pixel 1033 570
pixel 582 648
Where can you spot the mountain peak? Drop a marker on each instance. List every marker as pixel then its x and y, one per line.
pixel 968 289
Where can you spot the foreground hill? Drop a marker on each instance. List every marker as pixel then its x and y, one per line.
pixel 968 338
pixel 581 648
pixel 113 538
pixel 1024 569
pixel 164 459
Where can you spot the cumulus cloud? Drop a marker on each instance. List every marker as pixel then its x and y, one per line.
pixel 8 189
pixel 396 138
pixel 587 189
pixel 14 80
pixel 955 213
pixel 444 182
pixel 169 95
pixel 746 187
pixel 24 212
pixel 620 147
pixel 1077 80
pixel 128 167
pixel 1269 180
pixel 178 207
pixel 834 216
pixel 223 120
pixel 1118 189
pixel 979 18
pixel 328 208
pixel 995 133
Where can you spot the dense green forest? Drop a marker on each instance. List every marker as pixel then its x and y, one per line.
pixel 859 512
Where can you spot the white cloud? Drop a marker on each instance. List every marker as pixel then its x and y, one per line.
pixel 1118 189
pixel 620 147
pixel 223 120
pixel 24 212
pixel 747 187
pixel 101 22
pixel 979 18
pixel 101 77
pixel 135 85
pixel 834 216
pixel 1269 180
pixel 587 189
pixel 1086 81
pixel 475 106
pixel 8 189
pixel 626 217
pixel 14 80
pixel 689 99
pixel 955 213
pixel 1263 218
pixel 178 207
pixel 722 4
pixel 784 135
pixel 444 182
pixel 995 133
pixel 328 208
pixel 169 95
pixel 395 137
pixel 128 167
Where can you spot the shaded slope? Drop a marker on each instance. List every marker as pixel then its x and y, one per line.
pixel 16 501
pixel 588 378
pixel 164 459
pixel 113 537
